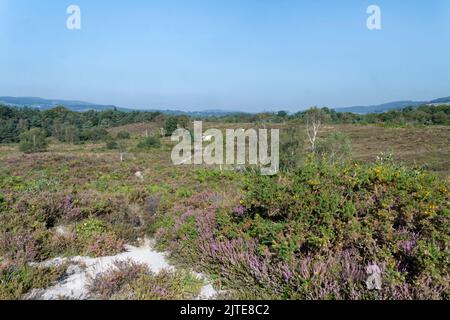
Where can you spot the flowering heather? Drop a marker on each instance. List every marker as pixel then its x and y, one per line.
pixel 319 233
pixel 127 280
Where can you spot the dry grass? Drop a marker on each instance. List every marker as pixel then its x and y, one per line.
pixel 416 146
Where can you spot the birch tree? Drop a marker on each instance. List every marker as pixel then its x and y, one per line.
pixel 314 123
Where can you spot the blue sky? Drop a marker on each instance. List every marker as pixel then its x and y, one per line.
pixel 236 55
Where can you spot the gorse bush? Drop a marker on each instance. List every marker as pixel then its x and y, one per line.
pixel 312 234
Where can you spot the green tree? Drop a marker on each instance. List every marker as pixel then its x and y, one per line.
pixel 34 140
pixel 71 134
pixel 170 126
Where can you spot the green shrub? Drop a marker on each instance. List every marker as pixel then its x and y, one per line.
pixel 16 281
pixel 2 200
pixel 292 147
pixel 149 143
pixel 311 233
pixel 372 208
pixel 337 147
pixel 112 145
pixel 184 192
pixel 96 239
pixel 34 140
pixel 124 135
pixel 170 126
pixel 94 134
pixel 89 228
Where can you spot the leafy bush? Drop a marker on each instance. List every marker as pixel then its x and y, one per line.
pixel 34 140
pixel 336 147
pixel 94 134
pixel 97 239
pixel 292 147
pixel 170 126
pixel 90 228
pixel 149 143
pixel 124 135
pixel 16 281
pixel 112 145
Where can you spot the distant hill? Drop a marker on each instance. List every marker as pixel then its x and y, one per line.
pixel 82 106
pixel 45 104
pixel 396 105
pixel 440 101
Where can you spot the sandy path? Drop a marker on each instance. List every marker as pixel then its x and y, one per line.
pixel 74 286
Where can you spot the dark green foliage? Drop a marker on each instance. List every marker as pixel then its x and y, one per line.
pixel 150 143
pixel 313 232
pixel 73 127
pixel 34 140
pixel 384 213
pixel 112 145
pixel 16 281
pixel 65 125
pixel 170 126
pixel 292 147
pixel 95 134
pixel 124 135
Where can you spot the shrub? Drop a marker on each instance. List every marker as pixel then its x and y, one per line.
pixel 2 201
pixel 105 285
pixel 313 232
pixel 16 281
pixel 103 244
pixel 124 135
pixel 336 147
pixel 97 239
pixel 170 126
pixel 292 148
pixel 112 145
pixel 89 228
pixel 127 280
pixel 149 143
pixel 34 140
pixel 94 134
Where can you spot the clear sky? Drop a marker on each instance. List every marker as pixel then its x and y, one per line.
pixel 230 54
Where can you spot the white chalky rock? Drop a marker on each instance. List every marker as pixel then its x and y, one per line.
pixel 139 175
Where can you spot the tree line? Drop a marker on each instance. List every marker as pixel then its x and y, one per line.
pixel 422 115
pixel 76 127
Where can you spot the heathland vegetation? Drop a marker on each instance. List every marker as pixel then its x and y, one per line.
pixel 356 193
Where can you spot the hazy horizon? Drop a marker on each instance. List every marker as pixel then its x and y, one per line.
pixel 235 55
